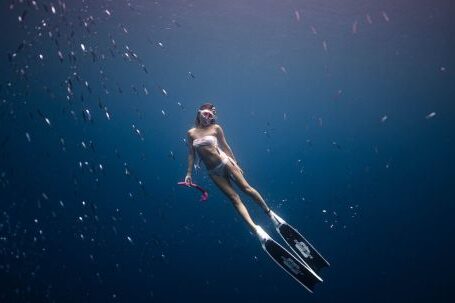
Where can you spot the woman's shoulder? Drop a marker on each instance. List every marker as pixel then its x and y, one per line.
pixel 218 129
pixel 191 132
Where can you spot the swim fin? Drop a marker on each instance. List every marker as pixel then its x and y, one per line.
pixel 301 272
pixel 299 245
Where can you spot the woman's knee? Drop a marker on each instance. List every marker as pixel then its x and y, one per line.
pixel 235 198
pixel 249 190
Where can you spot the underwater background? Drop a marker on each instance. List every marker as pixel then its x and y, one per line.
pixel 341 114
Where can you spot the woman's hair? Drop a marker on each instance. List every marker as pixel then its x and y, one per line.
pixel 210 106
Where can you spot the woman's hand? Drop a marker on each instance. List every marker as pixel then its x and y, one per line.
pixel 188 180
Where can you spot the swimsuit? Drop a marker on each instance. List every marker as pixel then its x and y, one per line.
pixel 220 169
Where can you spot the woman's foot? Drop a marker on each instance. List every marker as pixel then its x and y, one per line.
pixel 261 233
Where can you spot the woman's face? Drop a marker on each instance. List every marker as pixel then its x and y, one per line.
pixel 206 116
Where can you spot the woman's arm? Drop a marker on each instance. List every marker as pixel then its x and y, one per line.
pixel 223 144
pixel 190 154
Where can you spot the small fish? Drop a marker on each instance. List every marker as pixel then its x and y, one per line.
pixel 62 143
pixel 114 43
pixel 123 28
pixel 297 15
pixel 430 115
pixel 386 17
pixel 384 118
pixel 88 87
pixel 73 57
pixel 60 56
pixel 313 30
pixel 138 132
pixel 369 20
pixel 87 115
pixel 354 27
pixel 107 12
pixel 191 75
pixel 324 45
pixel 21 18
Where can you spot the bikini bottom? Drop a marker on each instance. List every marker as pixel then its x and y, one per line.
pixel 221 169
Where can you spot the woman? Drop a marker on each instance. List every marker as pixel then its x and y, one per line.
pixel 208 141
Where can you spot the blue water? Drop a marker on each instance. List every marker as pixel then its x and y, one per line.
pixel 340 113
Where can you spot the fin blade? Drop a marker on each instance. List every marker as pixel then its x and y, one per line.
pixel 302 247
pixel 293 266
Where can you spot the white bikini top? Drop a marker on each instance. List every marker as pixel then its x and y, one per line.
pixel 206 140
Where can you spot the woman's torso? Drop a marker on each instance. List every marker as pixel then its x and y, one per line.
pixel 205 143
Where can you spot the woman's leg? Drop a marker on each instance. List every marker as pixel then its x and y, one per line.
pixel 239 179
pixel 226 187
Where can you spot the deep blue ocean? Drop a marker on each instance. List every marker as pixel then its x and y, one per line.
pixel 341 114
